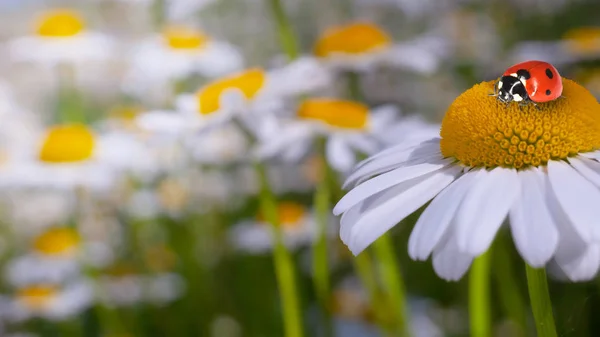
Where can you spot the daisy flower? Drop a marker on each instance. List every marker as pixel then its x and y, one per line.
pixel 50 301
pixel 247 94
pixel 122 286
pixel 538 167
pixel 61 36
pixel 178 52
pixel 578 44
pixel 298 224
pixel 361 46
pixel 350 128
pixel 72 155
pixel 55 257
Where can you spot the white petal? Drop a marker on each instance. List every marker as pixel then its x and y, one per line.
pixel 585 267
pixel 570 245
pixel 275 144
pixel 364 143
pixel 431 144
pixel 411 156
pixel 339 154
pixel 533 228
pixel 484 209
pixel 578 197
pixel 384 216
pixel 591 155
pixel 387 180
pixel 434 221
pixel 449 262
pixel 588 168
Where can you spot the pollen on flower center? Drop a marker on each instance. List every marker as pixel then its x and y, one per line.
pixel 36 297
pixel 337 113
pixel 248 83
pixel 480 131
pixel 57 241
pixel 290 214
pixel 355 38
pixel 60 23
pixel 184 38
pixel 584 39
pixel 67 143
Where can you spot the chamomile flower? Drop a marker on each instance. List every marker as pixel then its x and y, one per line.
pixel 578 44
pixel 180 51
pixel 122 286
pixel 248 94
pixel 538 167
pixel 51 301
pixel 72 155
pixel 298 224
pixel 61 36
pixel 350 128
pixel 361 46
pixel 56 256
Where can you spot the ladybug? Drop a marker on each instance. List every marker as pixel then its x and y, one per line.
pixel 529 82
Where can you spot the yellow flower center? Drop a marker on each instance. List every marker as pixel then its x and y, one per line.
pixel 290 214
pixel 60 23
pixel 57 241
pixel 337 113
pixel 248 83
pixel 479 130
pixel 67 143
pixel 355 38
pixel 184 38
pixel 584 40
pixel 36 297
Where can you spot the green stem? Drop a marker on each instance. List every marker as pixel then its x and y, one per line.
pixel 366 273
pixel 287 38
pixel 284 265
pixel 540 302
pixel 479 296
pixel 510 294
pixel 320 264
pixel 393 283
pixel 354 89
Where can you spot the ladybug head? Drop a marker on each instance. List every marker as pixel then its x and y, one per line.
pixel 510 88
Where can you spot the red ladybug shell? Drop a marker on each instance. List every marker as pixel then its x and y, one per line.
pixel 542 81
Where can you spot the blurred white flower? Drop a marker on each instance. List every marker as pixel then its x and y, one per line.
pixel 223 145
pixel 298 225
pixel 185 9
pixel 248 95
pixel 350 128
pixel 180 51
pixel 72 155
pixel 129 289
pixel 578 44
pixel 61 36
pixel 362 46
pixel 50 301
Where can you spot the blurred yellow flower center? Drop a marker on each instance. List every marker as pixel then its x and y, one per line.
pixel 479 130
pixel 57 241
pixel 355 38
pixel 584 39
pixel 248 83
pixel 125 113
pixel 60 23
pixel 337 113
pixel 36 297
pixel 290 214
pixel 184 38
pixel 67 143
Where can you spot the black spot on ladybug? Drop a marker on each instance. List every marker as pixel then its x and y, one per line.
pixel 523 74
pixel 548 92
pixel 549 73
